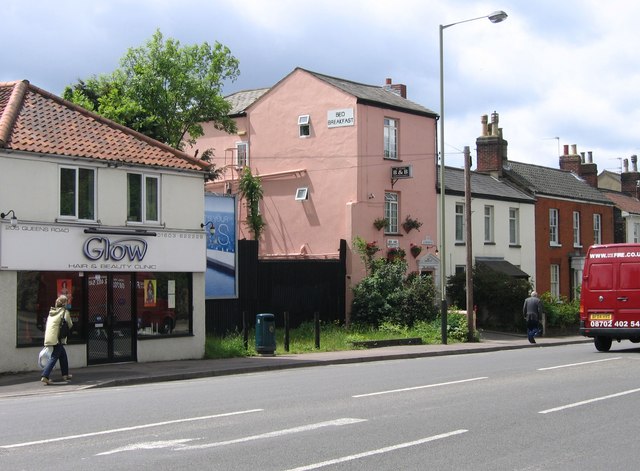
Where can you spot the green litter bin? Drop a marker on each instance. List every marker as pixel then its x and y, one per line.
pixel 265 333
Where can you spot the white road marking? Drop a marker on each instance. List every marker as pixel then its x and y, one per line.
pixel 578 364
pixel 421 387
pixel 128 429
pixel 378 451
pixel 277 433
pixel 589 401
pixel 148 446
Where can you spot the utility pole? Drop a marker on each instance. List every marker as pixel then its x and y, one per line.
pixel 469 243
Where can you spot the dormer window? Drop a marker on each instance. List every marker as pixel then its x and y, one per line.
pixel 304 125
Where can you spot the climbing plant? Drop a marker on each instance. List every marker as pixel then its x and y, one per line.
pixel 250 187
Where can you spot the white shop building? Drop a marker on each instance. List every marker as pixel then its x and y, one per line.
pixel 107 216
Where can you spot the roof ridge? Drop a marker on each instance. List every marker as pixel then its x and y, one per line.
pixel 11 111
pixel 321 75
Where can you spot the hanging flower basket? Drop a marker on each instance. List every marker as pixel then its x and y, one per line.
pixel 415 250
pixel 379 223
pixel 395 253
pixel 410 224
pixel 371 249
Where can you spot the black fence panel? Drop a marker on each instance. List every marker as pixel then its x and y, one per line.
pixel 300 287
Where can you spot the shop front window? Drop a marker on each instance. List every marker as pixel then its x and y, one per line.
pixel 164 304
pixel 37 293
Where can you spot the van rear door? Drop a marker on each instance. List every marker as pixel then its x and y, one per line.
pixel 599 296
pixel 627 313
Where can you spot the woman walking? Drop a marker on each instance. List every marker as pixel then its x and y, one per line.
pixel 53 337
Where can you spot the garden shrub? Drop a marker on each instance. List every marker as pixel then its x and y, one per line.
pixel 561 313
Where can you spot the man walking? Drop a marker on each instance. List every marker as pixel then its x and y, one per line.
pixel 532 311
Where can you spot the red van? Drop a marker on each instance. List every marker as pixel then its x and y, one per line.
pixel 610 294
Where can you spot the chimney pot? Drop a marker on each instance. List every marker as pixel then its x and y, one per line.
pixel 566 149
pixel 484 119
pixel 389 82
pixel 634 163
pixel 574 149
pixel 582 157
pixel 590 157
pixel 495 118
pixel 625 163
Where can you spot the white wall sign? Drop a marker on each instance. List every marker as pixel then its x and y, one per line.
pixel 393 243
pixel 53 247
pixel 340 118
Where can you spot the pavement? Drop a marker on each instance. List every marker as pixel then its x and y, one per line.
pixel 125 374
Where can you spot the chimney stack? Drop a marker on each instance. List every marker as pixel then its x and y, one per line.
pixel 589 170
pixel 491 147
pixel 570 162
pixel 629 179
pixel 397 88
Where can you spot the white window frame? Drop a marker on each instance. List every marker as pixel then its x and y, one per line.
pixel 145 219
pixel 77 212
pixel 460 232
pixel 553 227
pixel 554 280
pixel 302 193
pixel 242 154
pixel 514 226
pixel 636 231
pixel 597 228
pixel 391 138
pixel 576 229
pixel 391 211
pixel 304 125
pixel 489 224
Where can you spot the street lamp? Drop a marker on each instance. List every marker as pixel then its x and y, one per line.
pixel 495 17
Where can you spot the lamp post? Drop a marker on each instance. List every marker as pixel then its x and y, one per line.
pixel 495 17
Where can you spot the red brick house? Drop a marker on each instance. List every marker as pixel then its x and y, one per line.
pixel 570 212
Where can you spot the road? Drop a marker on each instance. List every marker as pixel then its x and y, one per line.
pixel 560 408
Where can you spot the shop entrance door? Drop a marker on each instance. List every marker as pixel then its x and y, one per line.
pixel 110 336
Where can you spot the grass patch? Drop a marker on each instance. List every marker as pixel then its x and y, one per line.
pixel 335 337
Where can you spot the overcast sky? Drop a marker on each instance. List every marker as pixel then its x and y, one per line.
pixel 557 72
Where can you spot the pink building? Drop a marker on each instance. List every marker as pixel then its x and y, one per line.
pixel 325 149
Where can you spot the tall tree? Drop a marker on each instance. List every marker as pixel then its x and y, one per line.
pixel 164 90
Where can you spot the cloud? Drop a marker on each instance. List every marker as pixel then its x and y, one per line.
pixel 552 69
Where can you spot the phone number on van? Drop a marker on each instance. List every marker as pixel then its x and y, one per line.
pixel 610 323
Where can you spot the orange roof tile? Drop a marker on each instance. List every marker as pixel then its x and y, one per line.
pixel 34 120
pixel 624 202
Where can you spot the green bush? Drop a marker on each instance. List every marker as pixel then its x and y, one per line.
pixel 498 297
pixel 561 313
pixel 388 295
pixel 457 327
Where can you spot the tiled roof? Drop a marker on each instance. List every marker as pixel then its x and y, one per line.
pixel 483 186
pixel 375 95
pixel 624 202
pixel 369 94
pixel 240 101
pixel 553 182
pixel 33 120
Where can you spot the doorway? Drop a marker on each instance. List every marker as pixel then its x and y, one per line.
pixel 110 320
